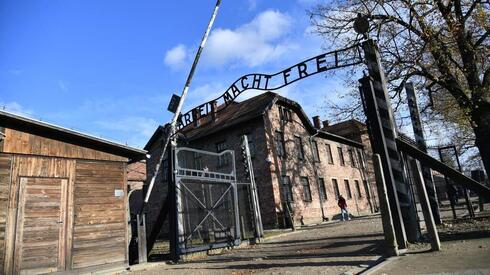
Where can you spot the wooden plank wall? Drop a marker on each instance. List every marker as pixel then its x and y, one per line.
pixel 5 169
pixel 24 143
pixel 100 217
pixel 96 219
pixel 28 166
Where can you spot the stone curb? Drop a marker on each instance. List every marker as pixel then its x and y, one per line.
pixel 380 263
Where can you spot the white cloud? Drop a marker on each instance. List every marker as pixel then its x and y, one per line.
pixel 262 40
pixel 176 57
pixel 203 93
pixel 255 43
pixel 16 108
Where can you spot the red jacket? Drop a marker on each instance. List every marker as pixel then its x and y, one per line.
pixel 342 203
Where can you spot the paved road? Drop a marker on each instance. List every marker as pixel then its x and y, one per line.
pixel 331 248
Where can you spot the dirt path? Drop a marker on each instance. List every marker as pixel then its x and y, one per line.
pixel 332 248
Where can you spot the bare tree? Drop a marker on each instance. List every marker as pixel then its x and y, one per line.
pixel 442 46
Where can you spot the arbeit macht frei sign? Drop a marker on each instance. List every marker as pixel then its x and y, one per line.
pixel 309 67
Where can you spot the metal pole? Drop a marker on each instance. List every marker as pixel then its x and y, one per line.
pixel 384 205
pixel 175 226
pixel 171 132
pixel 479 176
pixel 141 227
pixel 471 212
pixel 420 139
pixel 426 207
pixel 448 187
pixel 259 231
pixel 235 203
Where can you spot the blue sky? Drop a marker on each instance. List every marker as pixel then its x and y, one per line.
pixel 108 68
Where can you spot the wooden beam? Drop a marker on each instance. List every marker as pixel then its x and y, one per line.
pixel 442 168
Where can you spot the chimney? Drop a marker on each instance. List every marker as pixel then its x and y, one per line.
pixel 214 110
pixel 326 123
pixel 317 122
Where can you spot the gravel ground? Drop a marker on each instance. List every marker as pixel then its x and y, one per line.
pixel 331 248
pixel 348 248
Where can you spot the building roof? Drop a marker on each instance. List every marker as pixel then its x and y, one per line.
pixel 37 127
pixel 353 124
pixel 350 129
pixel 240 112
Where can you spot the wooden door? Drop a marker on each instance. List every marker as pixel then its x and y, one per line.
pixel 40 233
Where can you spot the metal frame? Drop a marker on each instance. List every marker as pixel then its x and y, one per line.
pixel 471 212
pixel 259 230
pixel 182 173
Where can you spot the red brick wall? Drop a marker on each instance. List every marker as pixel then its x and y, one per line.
pixel 296 168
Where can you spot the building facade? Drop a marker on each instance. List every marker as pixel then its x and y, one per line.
pixel 357 131
pixel 297 165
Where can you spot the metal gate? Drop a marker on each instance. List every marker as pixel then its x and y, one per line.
pixel 207 200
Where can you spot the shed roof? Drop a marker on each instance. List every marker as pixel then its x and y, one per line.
pixel 48 130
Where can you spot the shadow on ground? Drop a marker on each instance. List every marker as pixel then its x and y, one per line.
pixel 288 265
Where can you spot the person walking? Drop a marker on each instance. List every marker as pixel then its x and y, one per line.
pixel 343 208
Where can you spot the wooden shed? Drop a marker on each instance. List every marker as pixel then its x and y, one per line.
pixel 63 198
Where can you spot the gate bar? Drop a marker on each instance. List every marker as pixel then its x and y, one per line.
pixel 171 129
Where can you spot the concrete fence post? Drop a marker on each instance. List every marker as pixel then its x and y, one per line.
pixel 426 208
pixel 384 204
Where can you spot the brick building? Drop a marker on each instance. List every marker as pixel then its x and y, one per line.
pixel 355 130
pixel 295 161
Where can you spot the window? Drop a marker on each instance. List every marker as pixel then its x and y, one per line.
pixel 281 148
pixel 314 149
pixel 352 158
pixel 336 188
pixel 358 189
pixel 223 159
pixel 347 189
pixel 286 190
pixel 323 189
pixel 366 188
pixel 360 158
pixel 299 147
pixel 341 156
pixel 329 153
pixel 306 189
pixel 285 114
